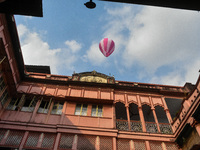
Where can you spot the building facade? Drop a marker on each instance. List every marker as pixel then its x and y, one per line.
pixel 89 110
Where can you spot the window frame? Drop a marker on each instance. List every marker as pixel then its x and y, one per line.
pixel 4 97
pixel 2 82
pixel 81 110
pixel 15 104
pixel 31 106
pixel 57 104
pixel 97 108
pixel 47 103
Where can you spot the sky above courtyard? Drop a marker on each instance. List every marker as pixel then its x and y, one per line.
pixel 152 44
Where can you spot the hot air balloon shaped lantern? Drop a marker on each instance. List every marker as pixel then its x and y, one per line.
pixel 107 46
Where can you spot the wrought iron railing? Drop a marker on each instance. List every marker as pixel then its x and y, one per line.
pixel 151 127
pixel 136 126
pixel 165 128
pixel 122 124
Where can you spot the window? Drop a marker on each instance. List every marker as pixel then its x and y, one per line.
pixel 2 83
pixel 44 106
pixel 57 108
pixel 97 110
pixel 29 104
pixel 4 97
pixel 81 109
pixel 13 104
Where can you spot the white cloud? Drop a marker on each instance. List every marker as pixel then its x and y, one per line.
pixel 73 45
pixel 94 56
pixel 154 38
pixel 162 36
pixel 161 45
pixel 172 78
pixel 22 30
pixel 38 52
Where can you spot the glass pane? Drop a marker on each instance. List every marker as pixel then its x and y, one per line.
pixel 13 104
pixel 84 110
pixel 4 97
pixel 78 109
pixel 100 110
pixel 45 111
pixel 40 110
pixel 60 107
pixel 57 108
pixel 26 105
pixel 43 107
pixel 94 110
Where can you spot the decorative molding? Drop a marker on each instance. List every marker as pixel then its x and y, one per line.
pixel 93 77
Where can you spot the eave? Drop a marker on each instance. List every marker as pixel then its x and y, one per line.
pixel 179 4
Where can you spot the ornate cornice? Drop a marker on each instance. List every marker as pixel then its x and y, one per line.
pixel 93 77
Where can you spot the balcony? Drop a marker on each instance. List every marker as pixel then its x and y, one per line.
pixel 165 128
pixel 136 126
pixel 151 127
pixel 122 125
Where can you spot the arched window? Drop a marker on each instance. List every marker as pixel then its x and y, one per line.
pixel 161 115
pixel 149 119
pixel 164 125
pixel 120 111
pixel 121 116
pixel 148 114
pixel 133 112
pixel 134 118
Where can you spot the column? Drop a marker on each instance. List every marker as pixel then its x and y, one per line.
pixel 39 144
pixel 132 147
pixel 5 137
pixel 147 145
pixel 75 141
pixel 128 117
pixel 197 126
pixel 49 110
pixel 114 117
pixel 57 141
pixel 4 107
pixel 141 114
pixel 114 143
pixel 97 143
pixel 35 110
pixel 23 140
pixel 163 146
pixel 127 111
pixel 156 119
pixel 154 114
pixel 168 114
pixel 63 112
pixel 167 111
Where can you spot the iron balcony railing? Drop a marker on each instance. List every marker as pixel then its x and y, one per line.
pixel 165 128
pixel 151 127
pixel 136 126
pixel 122 125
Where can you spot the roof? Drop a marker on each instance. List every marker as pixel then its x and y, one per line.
pixel 38 69
pixel 22 7
pixel 180 4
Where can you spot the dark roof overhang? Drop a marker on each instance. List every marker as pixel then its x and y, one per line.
pixel 22 7
pixel 196 114
pixel 16 44
pixel 184 134
pixel 180 4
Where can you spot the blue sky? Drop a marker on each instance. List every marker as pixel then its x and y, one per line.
pixel 152 44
